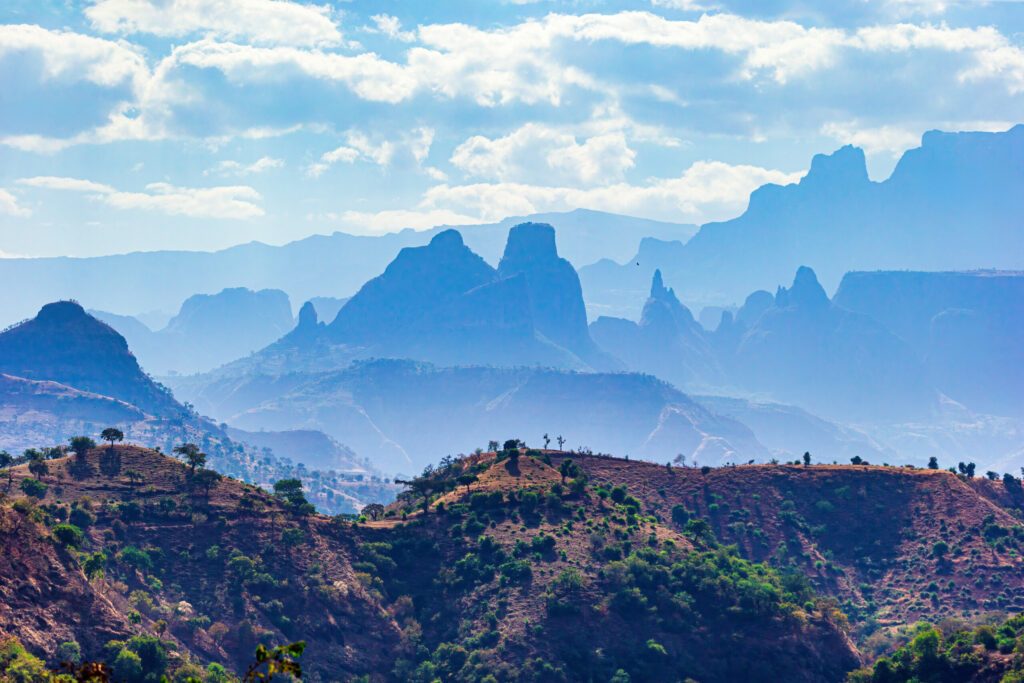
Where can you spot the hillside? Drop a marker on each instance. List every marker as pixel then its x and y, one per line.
pixel 227 566
pixel 524 565
pixel 198 562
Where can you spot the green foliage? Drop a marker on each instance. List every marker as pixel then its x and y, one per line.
pixel 278 661
pixel 33 488
pixel 932 656
pixel 69 651
pixel 68 535
pixel 81 445
pixel 17 665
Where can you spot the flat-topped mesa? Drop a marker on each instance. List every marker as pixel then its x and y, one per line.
pixel 530 242
pixel 556 297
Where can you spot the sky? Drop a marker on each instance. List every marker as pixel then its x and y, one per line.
pixel 132 125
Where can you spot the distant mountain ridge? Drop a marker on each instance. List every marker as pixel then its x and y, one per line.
pixel 954 203
pixel 442 303
pixel 209 330
pixel 334 265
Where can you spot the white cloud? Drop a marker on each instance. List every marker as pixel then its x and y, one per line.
pixel 391 27
pixel 706 191
pixel 9 205
pixel 893 140
pixel 361 147
pixel 389 221
pixel 228 202
pixel 77 57
pixel 237 168
pixel 540 153
pixel 273 22
pixel 686 5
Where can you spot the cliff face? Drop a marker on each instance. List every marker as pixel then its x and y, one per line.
pixel 66 345
pixel 967 326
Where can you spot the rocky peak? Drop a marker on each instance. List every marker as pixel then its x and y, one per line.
pixel 846 166
pixel 307 316
pixel 806 291
pixel 530 242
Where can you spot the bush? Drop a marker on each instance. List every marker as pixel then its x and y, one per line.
pixel 33 488
pixel 70 652
pixel 516 570
pixel 68 535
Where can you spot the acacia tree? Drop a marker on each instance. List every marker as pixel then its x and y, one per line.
pixel 374 511
pixel 38 467
pixel 466 479
pixel 192 455
pixel 81 445
pixel 112 434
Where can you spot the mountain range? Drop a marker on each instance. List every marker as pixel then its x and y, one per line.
pixel 209 330
pixel 334 265
pixel 951 204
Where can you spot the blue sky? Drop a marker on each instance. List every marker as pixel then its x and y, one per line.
pixel 197 124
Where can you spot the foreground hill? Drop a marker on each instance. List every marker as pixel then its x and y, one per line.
pixel 198 562
pixel 517 565
pixel 212 568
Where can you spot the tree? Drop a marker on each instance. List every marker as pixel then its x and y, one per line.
pixel 81 445
pixel 857 460
pixel 373 511
pixel 38 467
pixel 940 549
pixel 6 459
pixel 279 660
pixel 561 441
pixel 568 469
pixel 492 446
pixel 422 487
pixel 933 463
pixel 206 479
pixel 290 490
pixel 192 455
pixel 465 479
pixel 134 477
pixel 512 444
pixel 807 458
pixel 33 488
pixel 112 434
pixel 547 440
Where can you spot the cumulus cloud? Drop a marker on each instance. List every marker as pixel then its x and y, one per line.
pixel 228 202
pixel 706 191
pixel 237 168
pixel 391 27
pixel 9 205
pixel 275 22
pixel 540 153
pixel 77 57
pixel 893 140
pixel 361 147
